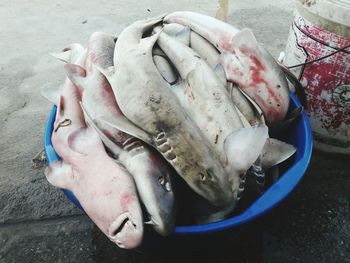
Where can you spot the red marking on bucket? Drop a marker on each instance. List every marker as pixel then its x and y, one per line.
pixel 324 76
pixel 326 81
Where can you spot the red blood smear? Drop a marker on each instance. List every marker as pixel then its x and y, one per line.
pixel 257 78
pixel 108 96
pixel 126 199
pixel 225 44
pixel 224 41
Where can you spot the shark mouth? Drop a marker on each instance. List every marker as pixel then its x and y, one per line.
pixel 122 227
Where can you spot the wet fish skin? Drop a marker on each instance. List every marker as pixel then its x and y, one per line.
pixel 145 99
pixel 258 74
pixel 207 102
pixel 246 63
pixel 206 26
pixel 205 49
pixel 201 94
pixel 165 68
pixel 151 173
pixel 242 103
pixel 104 189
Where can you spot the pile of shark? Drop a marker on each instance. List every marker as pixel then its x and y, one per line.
pixel 182 96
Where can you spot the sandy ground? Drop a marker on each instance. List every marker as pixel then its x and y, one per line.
pixel 39 224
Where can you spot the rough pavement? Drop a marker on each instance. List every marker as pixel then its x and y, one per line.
pixel 39 224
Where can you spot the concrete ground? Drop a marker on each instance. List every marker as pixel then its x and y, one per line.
pixel 39 224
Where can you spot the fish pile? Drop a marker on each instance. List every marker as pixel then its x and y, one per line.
pixel 180 97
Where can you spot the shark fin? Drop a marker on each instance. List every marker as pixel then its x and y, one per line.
pixel 115 149
pixel 126 126
pixel 76 74
pixel 69 54
pixel 52 94
pixel 258 112
pixel 60 174
pixel 147 43
pixel 184 35
pixel 243 147
pixel 275 152
pixel 64 56
pixel 243 119
pixel 220 73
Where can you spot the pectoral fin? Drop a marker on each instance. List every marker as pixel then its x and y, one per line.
pixel 257 110
pixel 76 74
pixel 123 124
pixel 243 119
pixel 52 94
pixel 108 142
pixel 60 174
pixel 64 56
pixel 275 152
pixel 70 53
pixel 244 146
pixel 220 73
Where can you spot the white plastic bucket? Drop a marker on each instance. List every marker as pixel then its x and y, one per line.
pixel 319 28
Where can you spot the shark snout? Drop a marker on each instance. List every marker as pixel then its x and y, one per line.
pixel 125 232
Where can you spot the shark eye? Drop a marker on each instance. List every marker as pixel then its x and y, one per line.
pixel 167 186
pixel 161 180
pixel 210 175
pixel 202 176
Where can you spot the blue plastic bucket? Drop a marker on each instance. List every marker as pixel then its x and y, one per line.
pixel 189 236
